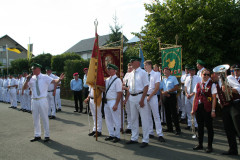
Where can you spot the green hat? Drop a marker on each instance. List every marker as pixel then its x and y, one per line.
pixel 201 62
pixel 192 68
pixel 48 68
pixel 36 65
pixel 134 58
pixel 112 66
pixel 186 66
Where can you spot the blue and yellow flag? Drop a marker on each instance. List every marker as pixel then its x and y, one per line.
pixel 142 57
pixel 16 50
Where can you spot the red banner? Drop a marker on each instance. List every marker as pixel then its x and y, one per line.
pixel 110 56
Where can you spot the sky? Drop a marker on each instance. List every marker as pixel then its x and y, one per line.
pixel 54 26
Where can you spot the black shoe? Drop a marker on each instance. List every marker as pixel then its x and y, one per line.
pixel 35 139
pixel 98 134
pixel 230 153
pixel 90 114
pixel 59 110
pixel 85 112
pixel 52 117
pixel 168 130
pixel 198 147
pixel 80 112
pixel 128 131
pixel 209 150
pixel 91 134
pixel 163 123
pixel 46 139
pixel 116 140
pixel 29 111
pixel 161 139
pixel 131 142
pixel 75 111
pixel 151 136
pixel 178 133
pixel 143 145
pixel 109 138
pixel 10 107
pixel 187 128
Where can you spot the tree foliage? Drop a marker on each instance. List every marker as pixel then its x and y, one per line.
pixel 18 65
pixel 72 66
pixel 207 29
pixel 43 59
pixel 57 62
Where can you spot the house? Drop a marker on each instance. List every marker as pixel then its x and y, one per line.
pixel 7 41
pixel 85 46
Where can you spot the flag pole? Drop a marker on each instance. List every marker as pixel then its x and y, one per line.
pixel 7 57
pixel 96 90
pixel 121 76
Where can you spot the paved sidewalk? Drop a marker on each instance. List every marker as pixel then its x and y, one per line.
pixel 69 140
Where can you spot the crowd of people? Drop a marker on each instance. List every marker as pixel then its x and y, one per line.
pixel 152 100
pixel 152 97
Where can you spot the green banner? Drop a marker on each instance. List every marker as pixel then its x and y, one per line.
pixel 172 58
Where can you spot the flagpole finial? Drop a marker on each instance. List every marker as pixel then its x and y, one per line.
pixel 96 24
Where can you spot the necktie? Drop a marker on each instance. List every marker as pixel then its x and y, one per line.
pixel 134 76
pixel 149 77
pixel 37 87
pixel 191 88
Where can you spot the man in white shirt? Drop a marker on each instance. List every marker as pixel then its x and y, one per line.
pixel 181 97
pixel 137 93
pixel 12 87
pixel 127 106
pixel 152 101
pixel 190 83
pixel 19 90
pixel 200 67
pixel 112 107
pixel 90 100
pixel 39 85
pixel 51 95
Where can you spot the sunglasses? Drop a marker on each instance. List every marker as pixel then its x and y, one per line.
pixel 206 74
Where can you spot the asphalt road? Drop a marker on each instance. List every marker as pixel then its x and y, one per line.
pixel 70 140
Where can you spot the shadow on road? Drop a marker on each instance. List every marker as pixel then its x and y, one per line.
pixel 70 153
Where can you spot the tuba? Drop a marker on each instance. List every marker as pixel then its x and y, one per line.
pixel 221 70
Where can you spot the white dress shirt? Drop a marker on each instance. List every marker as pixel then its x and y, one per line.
pixel 43 82
pixel 141 80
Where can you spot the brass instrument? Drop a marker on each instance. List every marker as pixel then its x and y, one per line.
pixel 221 69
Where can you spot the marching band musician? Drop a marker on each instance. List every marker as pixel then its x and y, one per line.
pixel 230 109
pixel 204 104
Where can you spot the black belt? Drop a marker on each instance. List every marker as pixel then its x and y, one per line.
pixel 91 97
pixel 149 94
pixel 58 87
pixel 50 91
pixel 135 94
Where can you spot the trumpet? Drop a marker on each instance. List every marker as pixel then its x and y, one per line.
pixel 221 69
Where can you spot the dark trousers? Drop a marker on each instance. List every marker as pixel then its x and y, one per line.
pixel 85 93
pixel 231 122
pixel 204 117
pixel 170 104
pixel 78 98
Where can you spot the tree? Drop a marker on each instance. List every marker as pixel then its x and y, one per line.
pixel 18 65
pixel 116 34
pixel 57 61
pixel 207 29
pixel 43 59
